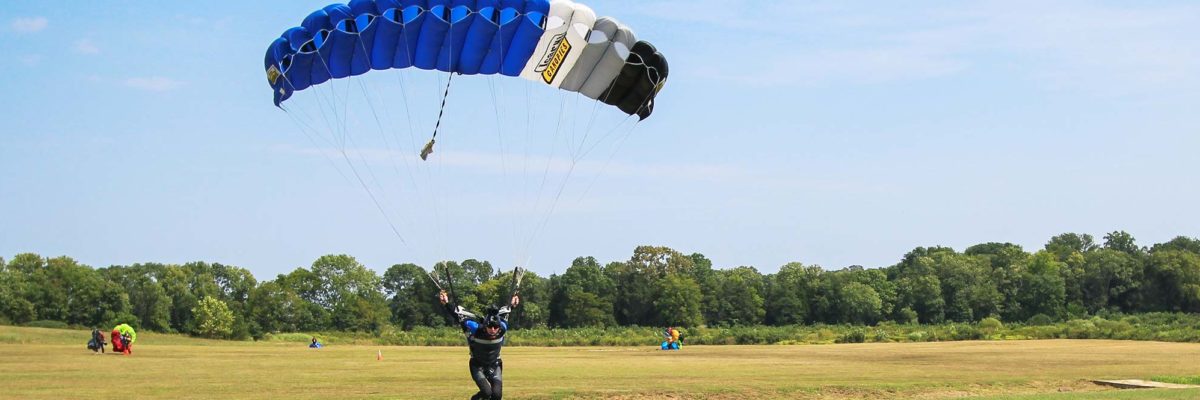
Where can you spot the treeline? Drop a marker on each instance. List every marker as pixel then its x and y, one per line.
pixel 1072 277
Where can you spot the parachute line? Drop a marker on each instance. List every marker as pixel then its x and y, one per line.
pixel 441 110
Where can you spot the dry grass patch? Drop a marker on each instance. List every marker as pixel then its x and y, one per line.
pixel 164 366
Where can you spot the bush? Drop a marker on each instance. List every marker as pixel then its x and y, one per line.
pixel 47 324
pixel 854 336
pixel 291 337
pixel 906 316
pixel 1040 320
pixel 1080 329
pixel 965 332
pixel 990 325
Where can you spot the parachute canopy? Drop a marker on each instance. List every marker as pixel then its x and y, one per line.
pixel 559 43
pixel 125 329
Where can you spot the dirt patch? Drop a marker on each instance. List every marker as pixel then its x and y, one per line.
pixel 1141 384
pixel 851 393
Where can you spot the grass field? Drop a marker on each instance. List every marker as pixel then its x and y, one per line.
pixel 54 364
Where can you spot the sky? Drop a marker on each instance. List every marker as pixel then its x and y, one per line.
pixel 833 133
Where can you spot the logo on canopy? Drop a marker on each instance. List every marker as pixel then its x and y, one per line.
pixel 273 75
pixel 556 53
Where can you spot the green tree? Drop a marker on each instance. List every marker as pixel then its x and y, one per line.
pixel 149 303
pixel 1005 260
pixel 740 299
pixel 918 286
pixel 703 273
pixel 340 277
pixel 1123 242
pixel 234 285
pixel 582 296
pixel 679 302
pixel 1110 280
pixel 410 294
pixel 639 284
pixel 1062 246
pixel 1073 278
pixel 175 281
pixel 477 271
pixel 274 307
pixel 860 304
pixel 352 291
pixel 967 286
pixel 877 280
pixel 497 290
pixel 59 289
pixel 1173 281
pixel 308 312
pixel 534 311
pixel 462 282
pixel 213 318
pixel 790 293
pixel 1041 288
pixel 1183 243
pixel 14 307
pixel 584 309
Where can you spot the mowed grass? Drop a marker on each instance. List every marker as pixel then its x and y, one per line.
pixel 54 364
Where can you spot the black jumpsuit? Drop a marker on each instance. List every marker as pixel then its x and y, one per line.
pixel 485 365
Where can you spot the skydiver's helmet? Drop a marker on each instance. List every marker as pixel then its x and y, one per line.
pixel 492 317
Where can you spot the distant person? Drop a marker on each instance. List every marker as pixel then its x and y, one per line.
pixel 670 338
pixel 315 344
pixel 123 337
pixel 96 344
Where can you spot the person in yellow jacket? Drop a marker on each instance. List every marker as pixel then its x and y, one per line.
pixel 670 339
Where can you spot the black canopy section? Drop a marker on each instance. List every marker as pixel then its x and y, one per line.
pixel 634 88
pixel 640 99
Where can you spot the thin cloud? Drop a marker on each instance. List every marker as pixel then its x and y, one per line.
pixel 31 60
pixel 495 164
pixel 30 24
pixel 1076 44
pixel 1093 45
pixel 854 66
pixel 153 84
pixel 85 46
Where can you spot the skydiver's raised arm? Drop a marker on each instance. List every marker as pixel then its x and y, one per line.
pixel 512 304
pixel 460 314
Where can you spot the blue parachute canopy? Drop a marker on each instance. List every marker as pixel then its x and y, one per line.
pixel 560 43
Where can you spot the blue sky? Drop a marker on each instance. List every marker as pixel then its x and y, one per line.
pixel 831 133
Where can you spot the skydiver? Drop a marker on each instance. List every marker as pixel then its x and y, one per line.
pixel 96 344
pixel 485 338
